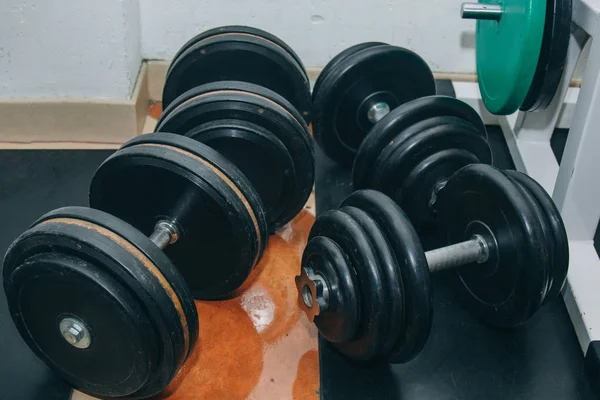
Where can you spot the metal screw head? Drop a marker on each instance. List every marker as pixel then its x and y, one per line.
pixel 75 332
pixel 377 112
pixel 313 293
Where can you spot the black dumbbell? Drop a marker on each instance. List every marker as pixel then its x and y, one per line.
pixel 104 301
pixel 99 303
pixel 365 278
pixel 358 87
pixel 239 53
pixel 256 129
pixel 180 209
pixel 411 153
pixel 193 202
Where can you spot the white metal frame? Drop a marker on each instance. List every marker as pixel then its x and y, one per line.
pixel 575 185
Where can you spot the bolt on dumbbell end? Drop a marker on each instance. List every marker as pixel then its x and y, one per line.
pixel 313 293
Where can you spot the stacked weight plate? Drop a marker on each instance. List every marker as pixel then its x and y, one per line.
pixel 521 48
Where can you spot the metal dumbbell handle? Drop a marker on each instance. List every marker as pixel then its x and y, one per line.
pixel 165 233
pixel 475 250
pixel 481 11
pixel 314 288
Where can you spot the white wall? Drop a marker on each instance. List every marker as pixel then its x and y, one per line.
pixel 93 48
pixel 318 29
pixel 71 48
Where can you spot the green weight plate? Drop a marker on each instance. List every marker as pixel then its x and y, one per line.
pixel 553 55
pixel 507 53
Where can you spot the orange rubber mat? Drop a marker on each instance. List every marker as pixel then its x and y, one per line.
pixel 257 345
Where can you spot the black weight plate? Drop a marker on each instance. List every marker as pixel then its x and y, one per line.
pixel 239 29
pixel 155 177
pixel 339 322
pixel 275 160
pixel 150 250
pixel 335 61
pixel 419 190
pixel 217 58
pixel 390 272
pixel 416 145
pixel 553 55
pixel 400 119
pixel 371 74
pixel 413 271
pixel 560 264
pixel 354 242
pixel 510 286
pixel 284 191
pixel 546 243
pixel 36 296
pixel 224 168
pixel 67 266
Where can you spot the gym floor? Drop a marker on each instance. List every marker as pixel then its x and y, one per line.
pixel 258 345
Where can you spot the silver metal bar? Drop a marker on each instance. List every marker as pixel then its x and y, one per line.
pixel 377 112
pixel 165 233
pixel 472 251
pixel 481 11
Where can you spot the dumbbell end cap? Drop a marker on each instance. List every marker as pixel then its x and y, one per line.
pixel 313 293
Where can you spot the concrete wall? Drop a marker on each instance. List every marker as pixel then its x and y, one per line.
pixel 319 29
pixel 93 48
pixel 69 48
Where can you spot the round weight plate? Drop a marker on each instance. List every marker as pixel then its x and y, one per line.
pixel 553 56
pixel 215 56
pixel 149 250
pixel 507 53
pixel 170 177
pixel 346 232
pixel 257 130
pixel 412 272
pixel 511 285
pixel 238 29
pixel 340 321
pixel 357 80
pixel 546 244
pixel 390 272
pixel 400 119
pixel 398 166
pixel 560 259
pixel 332 65
pixel 136 329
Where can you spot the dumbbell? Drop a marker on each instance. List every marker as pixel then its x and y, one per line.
pixel 104 301
pixel 239 53
pixel 360 86
pixel 413 150
pixel 365 278
pixel 193 202
pixel 253 112
pixel 256 129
